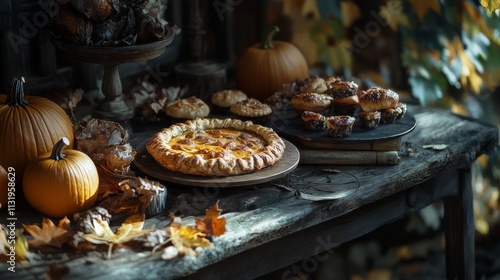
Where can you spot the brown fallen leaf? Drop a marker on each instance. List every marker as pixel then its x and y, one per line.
pixel 211 224
pixel 19 246
pixel 56 272
pixel 49 234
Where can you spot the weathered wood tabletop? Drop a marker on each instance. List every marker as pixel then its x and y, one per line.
pixel 310 211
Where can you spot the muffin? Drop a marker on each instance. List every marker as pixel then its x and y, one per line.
pixel 186 109
pixel 376 99
pixel 339 126
pixel 369 119
pixel 346 105
pixel 224 99
pixel 340 89
pixel 402 107
pixel 314 84
pixel 311 101
pixel 251 109
pixel 389 115
pixel 313 121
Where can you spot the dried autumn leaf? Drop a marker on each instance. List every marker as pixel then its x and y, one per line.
pixel 491 5
pixel 49 234
pixel 422 7
pixel 186 238
pixel 129 229
pixel 19 246
pixel 211 223
pixel 56 272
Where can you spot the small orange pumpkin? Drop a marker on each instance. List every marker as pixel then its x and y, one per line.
pixel 61 183
pixel 4 181
pixel 263 68
pixel 29 126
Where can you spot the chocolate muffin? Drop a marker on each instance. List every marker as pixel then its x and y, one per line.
pixel 389 115
pixel 339 126
pixel 314 121
pixel 402 107
pixel 340 89
pixel 369 119
pixel 346 105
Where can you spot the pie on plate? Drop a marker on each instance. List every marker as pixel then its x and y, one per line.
pixel 216 147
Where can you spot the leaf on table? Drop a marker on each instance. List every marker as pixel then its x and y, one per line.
pixel 186 238
pixel 131 228
pixel 4 244
pixel 421 8
pixel 57 272
pixel 20 245
pixel 331 170
pixel 437 147
pixel 211 224
pixel 49 234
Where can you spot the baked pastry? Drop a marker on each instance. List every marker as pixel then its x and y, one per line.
pixel 402 107
pixel 251 109
pixel 314 84
pixel 224 99
pixel 339 126
pixel 340 89
pixel 389 115
pixel 187 108
pixel 216 147
pixel 311 101
pixel 369 119
pixel 313 121
pixel 330 79
pixel 346 105
pixel 376 98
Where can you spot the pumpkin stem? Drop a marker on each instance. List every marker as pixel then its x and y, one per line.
pixel 58 148
pixel 268 41
pixel 16 94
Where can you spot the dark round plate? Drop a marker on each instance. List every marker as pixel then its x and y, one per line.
pixel 147 164
pixel 288 123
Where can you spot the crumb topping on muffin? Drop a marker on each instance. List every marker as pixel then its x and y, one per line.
pixel 311 101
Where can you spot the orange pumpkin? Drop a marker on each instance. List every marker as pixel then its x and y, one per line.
pixel 61 183
pixel 4 181
pixel 262 69
pixel 29 126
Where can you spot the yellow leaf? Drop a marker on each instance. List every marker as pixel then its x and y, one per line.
pixel 130 228
pixel 421 7
pixel 350 12
pixel 491 5
pixel 187 238
pixel 49 234
pixel 392 13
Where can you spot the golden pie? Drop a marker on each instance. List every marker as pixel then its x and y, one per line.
pixel 216 147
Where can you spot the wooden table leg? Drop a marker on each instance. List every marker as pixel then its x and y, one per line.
pixel 459 230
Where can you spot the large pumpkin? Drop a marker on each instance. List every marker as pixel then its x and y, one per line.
pixel 4 181
pixel 262 69
pixel 61 183
pixel 29 126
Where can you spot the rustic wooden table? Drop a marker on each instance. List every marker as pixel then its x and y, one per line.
pixel 276 224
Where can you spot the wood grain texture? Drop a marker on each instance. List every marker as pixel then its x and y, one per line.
pixel 272 216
